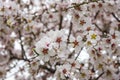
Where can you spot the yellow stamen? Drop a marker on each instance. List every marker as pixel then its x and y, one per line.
pixel 93 36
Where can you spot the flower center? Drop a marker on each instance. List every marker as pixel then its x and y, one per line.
pixel 73 64
pixel 89 43
pixel 93 36
pixel 64 71
pixel 93 5
pixel 75 43
pixel 58 40
pixel 82 22
pixel 100 5
pixel 45 51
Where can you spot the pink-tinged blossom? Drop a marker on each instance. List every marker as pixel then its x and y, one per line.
pixel 93 37
pixel 63 71
pixel 51 35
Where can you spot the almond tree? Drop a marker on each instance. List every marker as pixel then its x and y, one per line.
pixel 43 39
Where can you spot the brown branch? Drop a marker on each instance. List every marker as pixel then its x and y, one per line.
pixel 70 29
pixel 46 68
pixel 115 17
pixel 22 47
pixel 96 14
pixel 99 75
pixel 79 53
pixel 35 52
pixel 17 58
pixel 98 27
pixel 14 57
pixel 60 24
pixel 104 32
pixel 76 5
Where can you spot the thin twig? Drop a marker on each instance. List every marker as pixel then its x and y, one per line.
pixel 48 69
pixel 22 47
pixel 115 17
pixel 79 53
pixel 99 75
pixel 60 24
pixel 77 5
pixel 35 52
pixel 96 14
pixel 98 27
pixel 70 29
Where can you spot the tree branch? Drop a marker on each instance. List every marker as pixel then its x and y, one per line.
pixel 115 17
pixel 98 27
pixel 96 14
pixel 99 75
pixel 77 5
pixel 79 53
pixel 46 68
pixel 70 29
pixel 60 24
pixel 22 47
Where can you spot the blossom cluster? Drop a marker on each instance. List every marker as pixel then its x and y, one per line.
pixel 44 39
